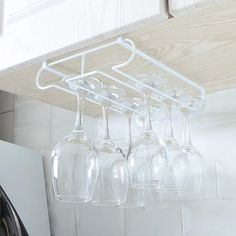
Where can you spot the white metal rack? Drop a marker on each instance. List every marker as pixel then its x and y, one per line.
pixel 128 45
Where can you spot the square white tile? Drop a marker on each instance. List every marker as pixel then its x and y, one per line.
pixel 226 170
pixel 221 107
pixel 100 221
pixel 34 137
pixel 211 181
pixel 206 218
pixel 21 99
pixel 60 129
pixel 163 222
pixel 62 122
pixel 59 114
pixel 57 131
pixel 31 113
pixel 216 142
pixel 62 216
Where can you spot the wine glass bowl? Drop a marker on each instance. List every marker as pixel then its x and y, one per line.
pixel 113 175
pixel 147 161
pixel 189 166
pixel 111 184
pixel 189 170
pixel 74 168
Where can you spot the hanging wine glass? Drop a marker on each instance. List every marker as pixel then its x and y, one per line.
pixel 172 146
pixel 129 105
pixel 135 197
pixel 113 176
pixel 189 167
pixel 148 162
pixel 73 158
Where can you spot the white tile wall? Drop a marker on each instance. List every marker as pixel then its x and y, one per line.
pixel 40 126
pixel 226 179
pixel 35 137
pixel 62 219
pixel 22 99
pixel 31 113
pixel 154 223
pixel 209 218
pixel 100 221
pixel 62 121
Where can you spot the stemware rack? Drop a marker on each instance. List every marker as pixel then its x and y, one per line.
pixel 67 79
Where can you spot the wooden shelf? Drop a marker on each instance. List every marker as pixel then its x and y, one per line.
pixel 201 46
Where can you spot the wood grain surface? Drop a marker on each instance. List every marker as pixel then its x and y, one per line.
pixel 201 46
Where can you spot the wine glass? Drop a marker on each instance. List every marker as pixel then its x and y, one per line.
pixel 147 161
pixel 172 146
pixel 113 175
pixel 135 197
pixel 73 158
pixel 129 104
pixel 189 167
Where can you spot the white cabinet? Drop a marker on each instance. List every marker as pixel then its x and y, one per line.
pixel 1 16
pixel 37 28
pixel 19 10
pixel 15 7
pixel 183 7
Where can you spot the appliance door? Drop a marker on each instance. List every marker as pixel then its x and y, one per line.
pixel 24 200
pixel 10 222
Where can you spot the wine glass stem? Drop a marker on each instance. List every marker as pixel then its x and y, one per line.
pixel 128 133
pixel 169 129
pixel 79 114
pixel 186 137
pixel 106 123
pixel 148 124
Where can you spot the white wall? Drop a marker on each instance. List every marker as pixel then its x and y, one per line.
pixel 40 126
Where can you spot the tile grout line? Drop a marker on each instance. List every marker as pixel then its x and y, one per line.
pixel 125 217
pixel 76 220
pixel 14 121
pixel 46 159
pixel 50 128
pixel 8 111
pixel 227 122
pixel 40 124
pixel 25 102
pixel 182 219
pixel 217 181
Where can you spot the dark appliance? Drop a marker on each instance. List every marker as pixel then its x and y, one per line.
pixel 10 222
